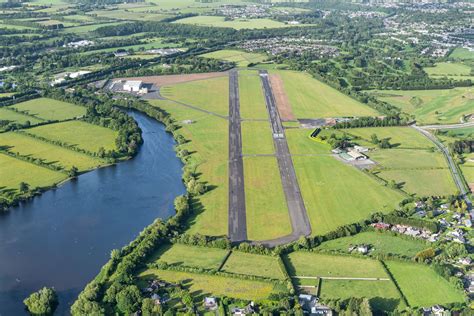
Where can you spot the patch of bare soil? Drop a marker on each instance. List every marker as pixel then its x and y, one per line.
pixel 281 98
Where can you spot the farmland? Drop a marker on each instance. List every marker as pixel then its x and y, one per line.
pixel 177 254
pixel 399 137
pixel 237 24
pixel 13 116
pixel 462 53
pixel 241 58
pixel 49 109
pixel 250 264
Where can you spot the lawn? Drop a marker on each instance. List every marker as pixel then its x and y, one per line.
pixel 431 106
pixel 310 264
pixel 50 109
pixel 401 137
pixel 202 284
pixel 381 242
pixel 252 101
pixel 462 53
pixel 422 286
pixel 191 256
pixel 208 142
pixel 78 133
pixel 48 153
pixel 257 138
pixel 209 94
pixel 15 171
pixel 337 194
pixel 382 295
pixel 238 24
pixel 408 159
pixel 241 58
pixel 251 264
pixel 7 114
pixel 267 214
pixel 310 98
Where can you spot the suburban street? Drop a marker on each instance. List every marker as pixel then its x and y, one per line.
pixel 237 216
pixel 297 211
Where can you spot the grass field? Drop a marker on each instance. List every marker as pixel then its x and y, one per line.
pixel 422 286
pixel 461 132
pixel 241 58
pixel 408 159
pixel 382 243
pixel 310 98
pixel 191 256
pixel 48 153
pixel 201 284
pixel 88 28
pixel 468 173
pixel 77 133
pixel 15 171
pixel 252 102
pixel 257 138
pixel 12 116
pixel 432 106
pixel 261 175
pixel 251 264
pixel 401 137
pixel 238 24
pixel 382 295
pixel 329 186
pixel 447 68
pixel 50 109
pixel 208 137
pixel 462 53
pixel 322 265
pixel 209 94
pixel 154 44
pixel 300 143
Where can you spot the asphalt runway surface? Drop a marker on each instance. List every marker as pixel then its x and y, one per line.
pixel 237 213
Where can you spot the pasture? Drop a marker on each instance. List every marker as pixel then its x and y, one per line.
pixel 50 109
pixel 329 186
pixel 310 98
pixel 238 24
pixel 7 114
pixel 252 101
pixel 448 68
pixel 408 159
pixel 252 264
pixel 462 53
pixel 241 58
pixel 202 284
pixel 78 133
pixel 460 132
pixel 422 286
pixel 381 242
pixel 267 214
pixel 401 137
pixel 257 138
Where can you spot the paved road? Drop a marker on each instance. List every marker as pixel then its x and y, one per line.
pixel 296 208
pixel 237 216
pixel 339 278
pixel 449 126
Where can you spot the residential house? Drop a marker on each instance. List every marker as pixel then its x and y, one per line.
pixel 210 303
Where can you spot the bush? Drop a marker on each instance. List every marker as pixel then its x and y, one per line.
pixel 43 302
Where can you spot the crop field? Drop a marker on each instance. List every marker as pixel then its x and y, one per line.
pixel 48 153
pixel 423 182
pixel 382 243
pixel 77 133
pixel 309 264
pixel 432 106
pixel 241 58
pixel 191 256
pixel 251 264
pixel 462 53
pixel 310 98
pixel 50 109
pixel 238 24
pixel 252 101
pixel 328 187
pixel 261 174
pixel 257 138
pixel 15 171
pixel 208 137
pixel 209 94
pixel 422 286
pixel 12 116
pixel 400 137
pixel 202 284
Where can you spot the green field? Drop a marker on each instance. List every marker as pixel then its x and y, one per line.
pixel 408 159
pixel 310 264
pixel 48 153
pixel 241 58
pixel 431 106
pixel 257 138
pixel 209 94
pixel 460 132
pixel 401 137
pixel 310 98
pixel 50 109
pixel 191 256
pixel 251 264
pixel 252 102
pixel 202 284
pixel 88 28
pixel 381 242
pixel 300 143
pixel 462 53
pixel 15 171
pixel 7 114
pixel 329 186
pixel 238 24
pixel 208 137
pixel 448 68
pixel 267 214
pixel 77 133
pixel 468 173
pixel 422 286
pixel 153 44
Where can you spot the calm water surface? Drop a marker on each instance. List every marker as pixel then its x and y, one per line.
pixel 62 238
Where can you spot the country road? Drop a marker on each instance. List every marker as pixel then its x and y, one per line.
pixel 449 126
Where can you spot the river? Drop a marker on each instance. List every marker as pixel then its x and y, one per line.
pixel 62 238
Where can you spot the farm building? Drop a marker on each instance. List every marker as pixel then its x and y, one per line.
pixel 132 85
pixel 355 155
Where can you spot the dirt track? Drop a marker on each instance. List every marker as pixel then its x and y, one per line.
pixel 174 79
pixel 281 99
